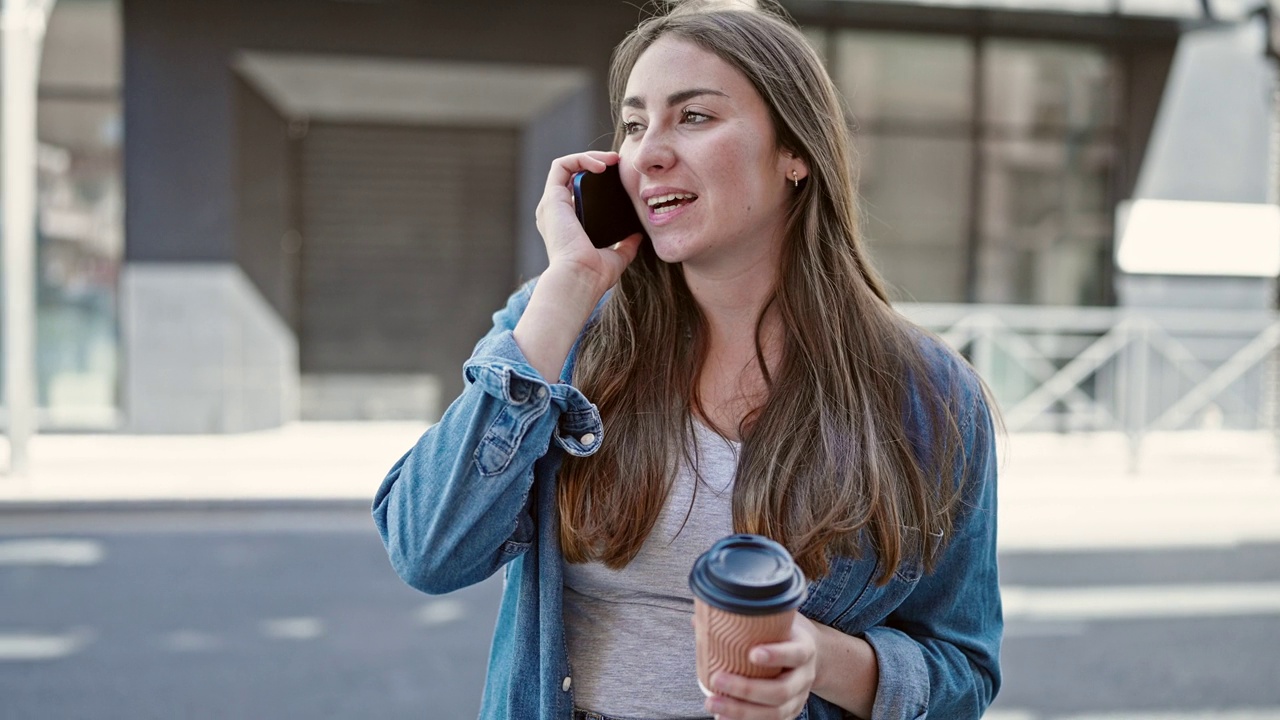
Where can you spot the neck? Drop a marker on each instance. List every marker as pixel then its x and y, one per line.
pixel 731 296
pixel 731 380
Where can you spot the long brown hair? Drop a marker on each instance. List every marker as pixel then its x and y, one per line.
pixel 826 465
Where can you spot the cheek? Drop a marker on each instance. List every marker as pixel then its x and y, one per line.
pixel 751 176
pixel 627 171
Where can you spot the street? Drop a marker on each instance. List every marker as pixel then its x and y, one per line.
pixel 255 611
pixel 235 614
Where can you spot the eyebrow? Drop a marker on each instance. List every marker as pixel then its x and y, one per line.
pixel 674 98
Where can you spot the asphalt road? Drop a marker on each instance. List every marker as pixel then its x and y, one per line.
pixel 266 613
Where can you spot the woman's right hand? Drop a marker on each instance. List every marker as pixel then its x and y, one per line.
pixel 569 250
pixel 578 274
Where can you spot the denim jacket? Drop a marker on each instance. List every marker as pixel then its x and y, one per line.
pixel 477 493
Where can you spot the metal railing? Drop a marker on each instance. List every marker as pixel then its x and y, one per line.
pixel 1073 369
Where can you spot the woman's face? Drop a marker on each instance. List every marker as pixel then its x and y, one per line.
pixel 699 158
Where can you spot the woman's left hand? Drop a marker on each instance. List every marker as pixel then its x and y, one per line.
pixel 781 698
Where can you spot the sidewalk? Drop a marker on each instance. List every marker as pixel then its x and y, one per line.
pixel 1056 491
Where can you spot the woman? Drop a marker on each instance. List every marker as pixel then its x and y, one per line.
pixel 748 375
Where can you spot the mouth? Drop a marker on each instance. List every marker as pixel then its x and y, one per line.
pixel 663 204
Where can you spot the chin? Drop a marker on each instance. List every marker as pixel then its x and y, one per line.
pixel 669 251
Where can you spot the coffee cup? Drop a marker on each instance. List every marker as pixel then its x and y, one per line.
pixel 746 589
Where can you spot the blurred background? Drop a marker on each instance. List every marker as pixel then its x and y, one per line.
pixel 266 234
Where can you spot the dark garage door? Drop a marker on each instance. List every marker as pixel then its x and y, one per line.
pixel 409 247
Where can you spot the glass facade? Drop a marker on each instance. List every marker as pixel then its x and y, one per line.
pixel 985 163
pixel 80 216
pixel 1049 134
pixel 913 115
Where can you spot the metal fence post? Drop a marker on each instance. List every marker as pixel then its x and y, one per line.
pixel 984 349
pixel 1139 367
pixel 1271 402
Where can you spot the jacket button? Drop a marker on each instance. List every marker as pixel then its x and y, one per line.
pixel 588 438
pixel 542 392
pixel 568 681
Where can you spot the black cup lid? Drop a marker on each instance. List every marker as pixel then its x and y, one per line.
pixel 748 575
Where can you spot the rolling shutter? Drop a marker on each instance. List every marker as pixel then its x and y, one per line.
pixel 408 246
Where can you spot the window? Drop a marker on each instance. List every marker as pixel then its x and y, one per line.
pixel 80 215
pixel 1048 140
pixel 985 164
pixel 913 122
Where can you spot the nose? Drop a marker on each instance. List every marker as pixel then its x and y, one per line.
pixel 653 153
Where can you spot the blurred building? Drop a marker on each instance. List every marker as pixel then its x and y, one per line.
pixel 258 210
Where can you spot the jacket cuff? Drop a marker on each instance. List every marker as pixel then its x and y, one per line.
pixel 500 369
pixel 903 689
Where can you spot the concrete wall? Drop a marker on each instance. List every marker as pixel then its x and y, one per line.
pixel 1211 143
pixel 204 352
pixel 209 319
pixel 179 87
pixel 1213 129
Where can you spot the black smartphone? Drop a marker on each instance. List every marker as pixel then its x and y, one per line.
pixel 604 208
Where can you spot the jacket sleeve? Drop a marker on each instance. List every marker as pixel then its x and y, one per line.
pixel 456 506
pixel 939 651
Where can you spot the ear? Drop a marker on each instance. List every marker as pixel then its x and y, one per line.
pixel 793 166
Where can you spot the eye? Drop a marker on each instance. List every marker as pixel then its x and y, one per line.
pixel 693 117
pixel 631 127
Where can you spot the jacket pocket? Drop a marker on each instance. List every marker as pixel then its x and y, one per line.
pixel 875 602
pixel 831 596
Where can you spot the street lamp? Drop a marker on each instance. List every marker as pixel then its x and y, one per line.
pixel 22 23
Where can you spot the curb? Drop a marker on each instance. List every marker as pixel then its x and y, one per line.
pixel 165 505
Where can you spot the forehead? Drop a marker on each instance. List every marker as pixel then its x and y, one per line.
pixel 673 64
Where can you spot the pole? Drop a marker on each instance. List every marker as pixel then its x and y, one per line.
pixel 1266 12
pixel 23 27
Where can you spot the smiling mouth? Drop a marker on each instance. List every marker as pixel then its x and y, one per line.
pixel 663 204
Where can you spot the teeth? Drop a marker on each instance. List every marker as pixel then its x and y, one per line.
pixel 660 199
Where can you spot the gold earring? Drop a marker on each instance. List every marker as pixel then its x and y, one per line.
pixel 795 178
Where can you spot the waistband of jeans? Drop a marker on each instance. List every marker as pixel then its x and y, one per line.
pixel 588 715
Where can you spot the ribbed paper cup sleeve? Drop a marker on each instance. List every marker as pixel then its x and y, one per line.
pixel 724 639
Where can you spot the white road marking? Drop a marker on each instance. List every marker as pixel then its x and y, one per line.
pixel 441 612
pixel 1016 628
pixel 1008 715
pixel 1235 714
pixel 51 551
pixel 299 628
pixel 191 641
pixel 1247 714
pixel 19 647
pixel 1122 602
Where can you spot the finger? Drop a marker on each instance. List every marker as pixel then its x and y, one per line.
pixel 563 169
pixel 727 708
pixel 557 198
pixel 759 691
pixel 788 654
pixel 627 251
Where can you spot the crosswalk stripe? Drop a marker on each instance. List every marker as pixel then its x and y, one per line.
pixel 50 551
pixel 1141 601
pixel 1234 714
pixel 440 612
pixel 18 647
pixel 297 628
pixel 1258 714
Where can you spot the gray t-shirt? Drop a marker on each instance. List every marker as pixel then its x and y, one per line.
pixel 629 631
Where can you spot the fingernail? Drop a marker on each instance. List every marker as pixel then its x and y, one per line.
pixel 759 656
